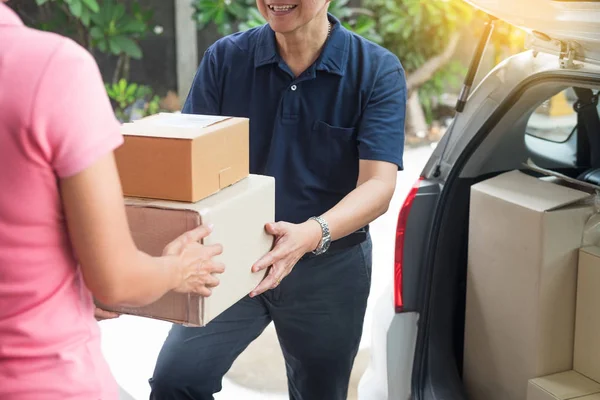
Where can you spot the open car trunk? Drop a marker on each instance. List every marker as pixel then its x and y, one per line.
pixel 568 29
pixel 557 25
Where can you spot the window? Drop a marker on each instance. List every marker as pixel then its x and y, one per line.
pixel 555 119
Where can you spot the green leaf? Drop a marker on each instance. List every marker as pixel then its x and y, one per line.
pixel 113 46
pixel 96 32
pixel 122 85
pixel 219 17
pixel 76 8
pixel 128 46
pixel 85 17
pixel 133 26
pixel 92 5
pixel 131 90
pixel 41 2
pixel 102 46
pixel 119 11
pixel 237 10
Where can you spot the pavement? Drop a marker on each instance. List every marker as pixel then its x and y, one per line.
pixel 131 344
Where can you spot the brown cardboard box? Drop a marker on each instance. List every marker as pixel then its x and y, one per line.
pixel 182 157
pixel 239 214
pixel 562 386
pixel 524 235
pixel 587 325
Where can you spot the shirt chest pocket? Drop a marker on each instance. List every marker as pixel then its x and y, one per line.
pixel 334 155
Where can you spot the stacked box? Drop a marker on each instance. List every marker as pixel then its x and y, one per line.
pixel 179 171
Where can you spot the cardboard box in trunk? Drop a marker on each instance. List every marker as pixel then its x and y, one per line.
pixel 524 235
pixel 587 325
pixel 182 157
pixel 239 214
pixel 563 386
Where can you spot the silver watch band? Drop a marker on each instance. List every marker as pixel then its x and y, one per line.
pixel 326 236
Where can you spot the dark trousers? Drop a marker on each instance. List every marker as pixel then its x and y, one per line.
pixel 318 312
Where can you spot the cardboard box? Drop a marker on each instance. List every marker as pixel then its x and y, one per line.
pixel 562 386
pixel 239 214
pixel 524 235
pixel 182 157
pixel 587 325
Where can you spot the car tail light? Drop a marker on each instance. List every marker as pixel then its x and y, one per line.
pixel 399 254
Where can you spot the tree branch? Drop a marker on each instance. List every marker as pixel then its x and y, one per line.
pixel 431 66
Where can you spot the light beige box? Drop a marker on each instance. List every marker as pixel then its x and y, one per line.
pixel 524 235
pixel 239 214
pixel 182 157
pixel 562 386
pixel 587 325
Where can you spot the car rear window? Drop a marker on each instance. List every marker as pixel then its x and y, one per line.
pixel 555 119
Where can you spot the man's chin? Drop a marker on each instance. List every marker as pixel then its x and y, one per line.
pixel 282 29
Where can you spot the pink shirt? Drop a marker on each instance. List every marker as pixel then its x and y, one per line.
pixel 55 120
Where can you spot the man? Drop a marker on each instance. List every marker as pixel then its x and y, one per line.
pixel 326 111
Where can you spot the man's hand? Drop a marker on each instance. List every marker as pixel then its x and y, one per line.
pixel 101 314
pixel 292 241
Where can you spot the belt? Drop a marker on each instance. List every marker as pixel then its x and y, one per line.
pixel 351 240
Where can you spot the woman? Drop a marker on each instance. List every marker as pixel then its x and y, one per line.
pixel 61 206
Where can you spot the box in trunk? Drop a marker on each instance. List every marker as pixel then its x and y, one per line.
pixel 587 323
pixel 524 236
pixel 562 386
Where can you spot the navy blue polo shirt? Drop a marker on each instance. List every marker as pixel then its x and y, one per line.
pixel 310 131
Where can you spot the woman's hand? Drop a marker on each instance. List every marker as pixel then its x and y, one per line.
pixel 292 241
pixel 195 260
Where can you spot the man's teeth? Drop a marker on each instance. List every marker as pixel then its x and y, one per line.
pixel 282 8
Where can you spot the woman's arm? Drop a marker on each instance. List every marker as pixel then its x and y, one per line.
pixel 113 269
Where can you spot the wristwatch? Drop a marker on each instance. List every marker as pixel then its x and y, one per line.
pixel 325 236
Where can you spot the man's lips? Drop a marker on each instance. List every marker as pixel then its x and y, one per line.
pixel 281 8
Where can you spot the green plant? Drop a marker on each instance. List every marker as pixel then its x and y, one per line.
pixel 104 25
pixel 417 30
pixel 109 27
pixel 81 9
pixel 253 19
pixel 116 32
pixel 225 14
pixel 131 101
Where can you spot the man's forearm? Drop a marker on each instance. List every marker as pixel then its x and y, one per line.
pixel 360 207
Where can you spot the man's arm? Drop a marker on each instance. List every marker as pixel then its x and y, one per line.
pixel 370 200
pixel 381 146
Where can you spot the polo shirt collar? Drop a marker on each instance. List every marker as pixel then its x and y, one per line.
pixel 333 58
pixel 8 16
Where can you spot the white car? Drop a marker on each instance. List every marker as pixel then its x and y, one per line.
pixel 417 336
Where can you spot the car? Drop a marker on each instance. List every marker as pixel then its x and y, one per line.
pixel 536 105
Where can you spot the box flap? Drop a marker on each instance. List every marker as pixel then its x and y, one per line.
pixel 172 125
pixel 567 385
pixel 592 250
pixel 585 186
pixel 530 192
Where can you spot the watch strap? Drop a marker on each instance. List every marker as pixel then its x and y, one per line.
pixel 325 238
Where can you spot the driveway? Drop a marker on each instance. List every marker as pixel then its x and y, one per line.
pixel 131 344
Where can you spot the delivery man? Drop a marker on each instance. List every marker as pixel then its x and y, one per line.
pixel 326 110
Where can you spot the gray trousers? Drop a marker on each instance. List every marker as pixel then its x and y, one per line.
pixel 318 313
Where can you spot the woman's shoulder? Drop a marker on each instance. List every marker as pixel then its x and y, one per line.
pixel 43 48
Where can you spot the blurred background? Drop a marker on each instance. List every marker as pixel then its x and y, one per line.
pixel 148 50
